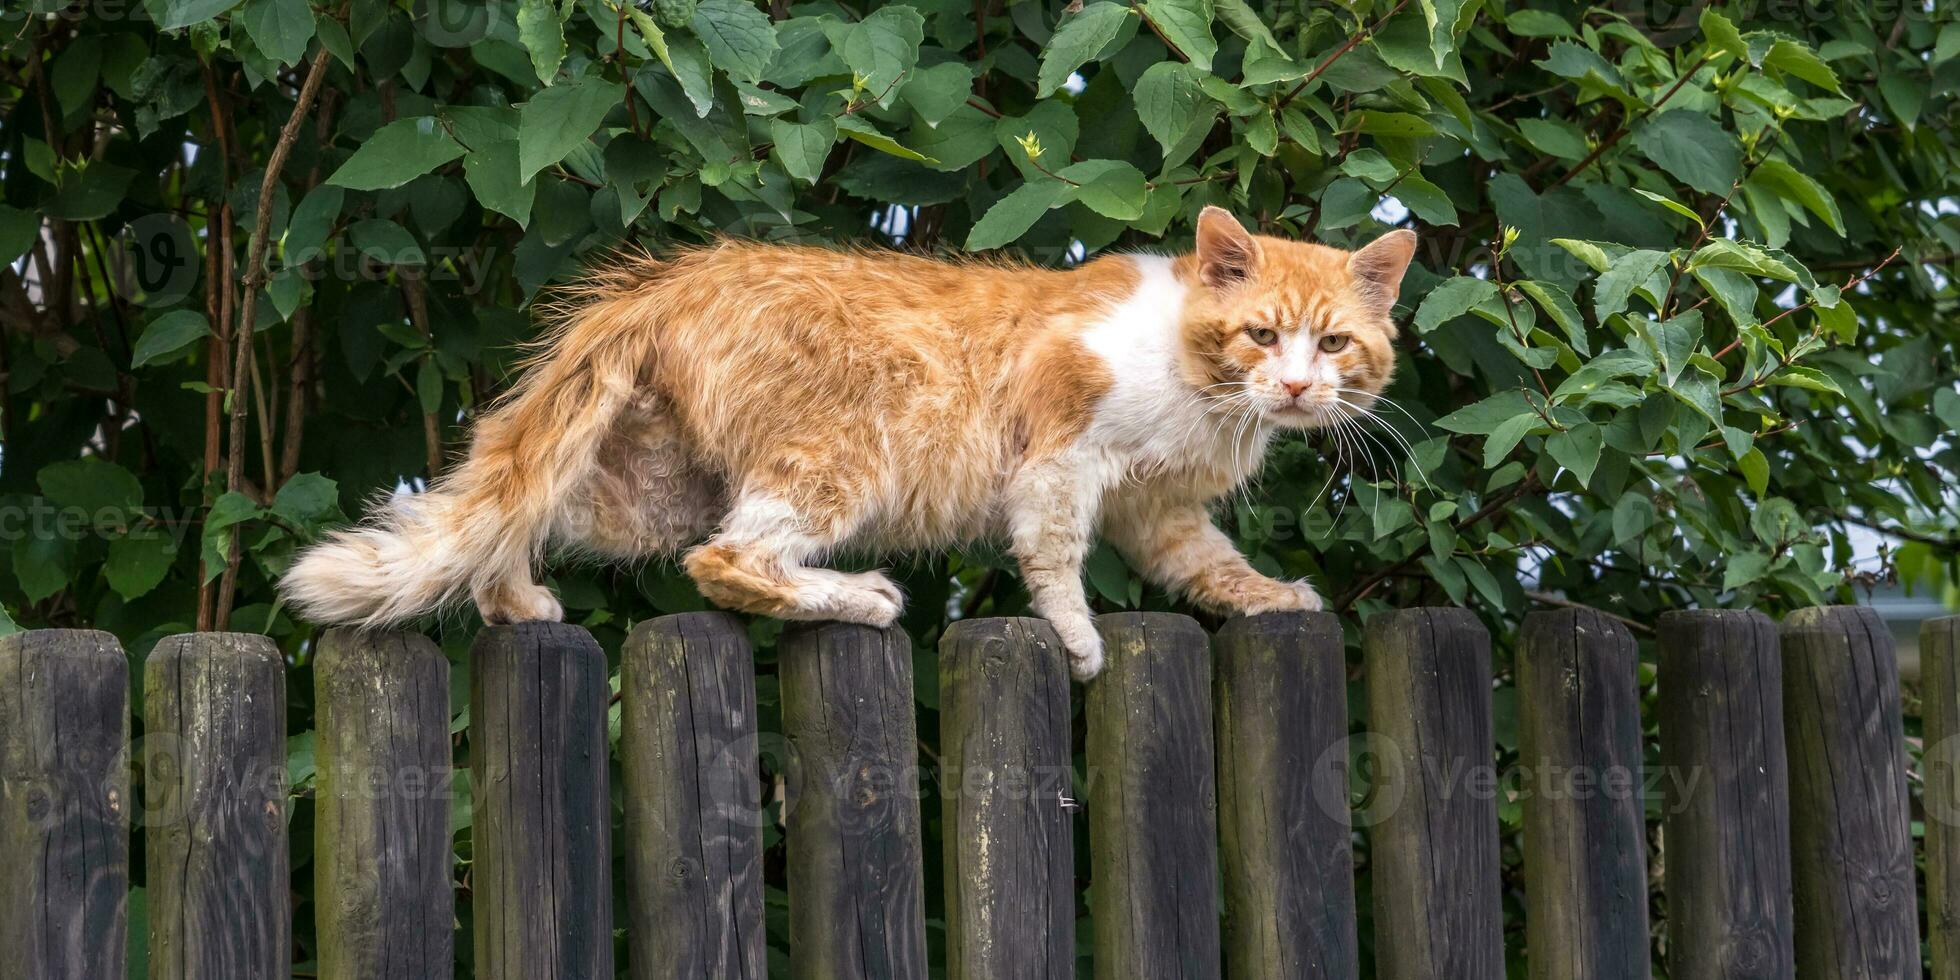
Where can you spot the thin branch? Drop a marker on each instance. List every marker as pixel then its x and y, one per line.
pixel 242 334
pixel 1336 55
pixel 1524 488
pixel 1626 126
pixel 1562 602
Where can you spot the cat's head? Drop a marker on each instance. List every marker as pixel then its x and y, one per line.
pixel 1301 334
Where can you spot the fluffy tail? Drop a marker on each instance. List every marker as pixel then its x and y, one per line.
pixel 481 526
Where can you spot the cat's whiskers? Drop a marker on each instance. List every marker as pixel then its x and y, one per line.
pixel 1397 437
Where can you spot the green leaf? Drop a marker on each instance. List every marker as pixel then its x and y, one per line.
pixel 1081 38
pixel 1595 373
pixel 560 119
pixel 138 561
pixel 1633 515
pixel 1721 33
pixel 18 229
pixel 1809 379
pixel 1793 58
pixel 1577 449
pixel 1755 470
pixel 280 28
pixel 1744 569
pixel 91 484
pixel 90 194
pixel 542 33
pixel 803 147
pixel 863 132
pixel 306 498
pixel 883 47
pixel 936 92
pixel 311 223
pixel 1588 252
pixel 1558 305
pixel 1013 215
pixel 1733 290
pixel 1111 188
pixel 1484 417
pixel 1108 575
pixel 741 41
pixel 386 242
pixel 1530 22
pixel 491 170
pixel 1801 188
pixel 428 386
pixel 1506 437
pixel 396 154
pixel 1167 99
pixel 1672 205
pixel 1453 298
pixel 1695 149
pixel 1617 283
pixel 1674 341
pixel 173 14
pixel 1187 23
pixel 1556 137
pixel 167 335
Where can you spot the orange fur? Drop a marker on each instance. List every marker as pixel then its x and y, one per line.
pixel 759 406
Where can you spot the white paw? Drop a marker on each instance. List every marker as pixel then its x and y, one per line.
pixel 866 597
pixel 1084 646
pixel 1310 600
pixel 519 603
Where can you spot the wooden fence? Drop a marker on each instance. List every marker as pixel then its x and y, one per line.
pixel 1217 765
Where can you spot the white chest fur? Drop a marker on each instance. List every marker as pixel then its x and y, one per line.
pixel 1152 418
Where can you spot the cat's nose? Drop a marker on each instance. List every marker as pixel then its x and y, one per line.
pixel 1294 388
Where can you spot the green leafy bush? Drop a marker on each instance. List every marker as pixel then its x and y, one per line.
pixel 1682 317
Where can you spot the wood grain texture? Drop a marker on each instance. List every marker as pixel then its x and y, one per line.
pixel 64 805
pixel 1725 797
pixel 1939 692
pixel 1008 808
pixel 856 864
pixel 216 857
pixel 694 817
pixel 1438 901
pixel 1850 823
pixel 384 900
pixel 542 878
pixel 1585 839
pixel 1152 800
pixel 1284 829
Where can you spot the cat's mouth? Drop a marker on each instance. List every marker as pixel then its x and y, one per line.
pixel 1310 415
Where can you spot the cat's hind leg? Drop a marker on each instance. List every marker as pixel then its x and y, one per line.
pixel 756 563
pixel 648 495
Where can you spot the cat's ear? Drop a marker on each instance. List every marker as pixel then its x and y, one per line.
pixel 1377 269
pixel 1227 254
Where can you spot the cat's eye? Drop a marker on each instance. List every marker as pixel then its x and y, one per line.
pixel 1333 342
pixel 1263 336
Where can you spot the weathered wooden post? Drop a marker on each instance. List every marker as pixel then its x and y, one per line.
pixel 64 804
pixel 214 773
pixel 1283 820
pixel 856 867
pixel 542 878
pixel 1005 771
pixel 1725 796
pixel 383 865
pixel 1438 898
pixel 1152 799
pixel 1850 825
pixel 687 750
pixel 1585 840
pixel 1939 690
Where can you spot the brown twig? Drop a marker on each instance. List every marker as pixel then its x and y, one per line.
pixel 1562 602
pixel 242 334
pixel 1849 284
pixel 1626 126
pixel 1338 53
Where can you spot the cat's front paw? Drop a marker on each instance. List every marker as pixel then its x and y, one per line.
pixel 1083 644
pixel 1276 596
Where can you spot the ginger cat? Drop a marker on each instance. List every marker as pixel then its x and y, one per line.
pixel 752 408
